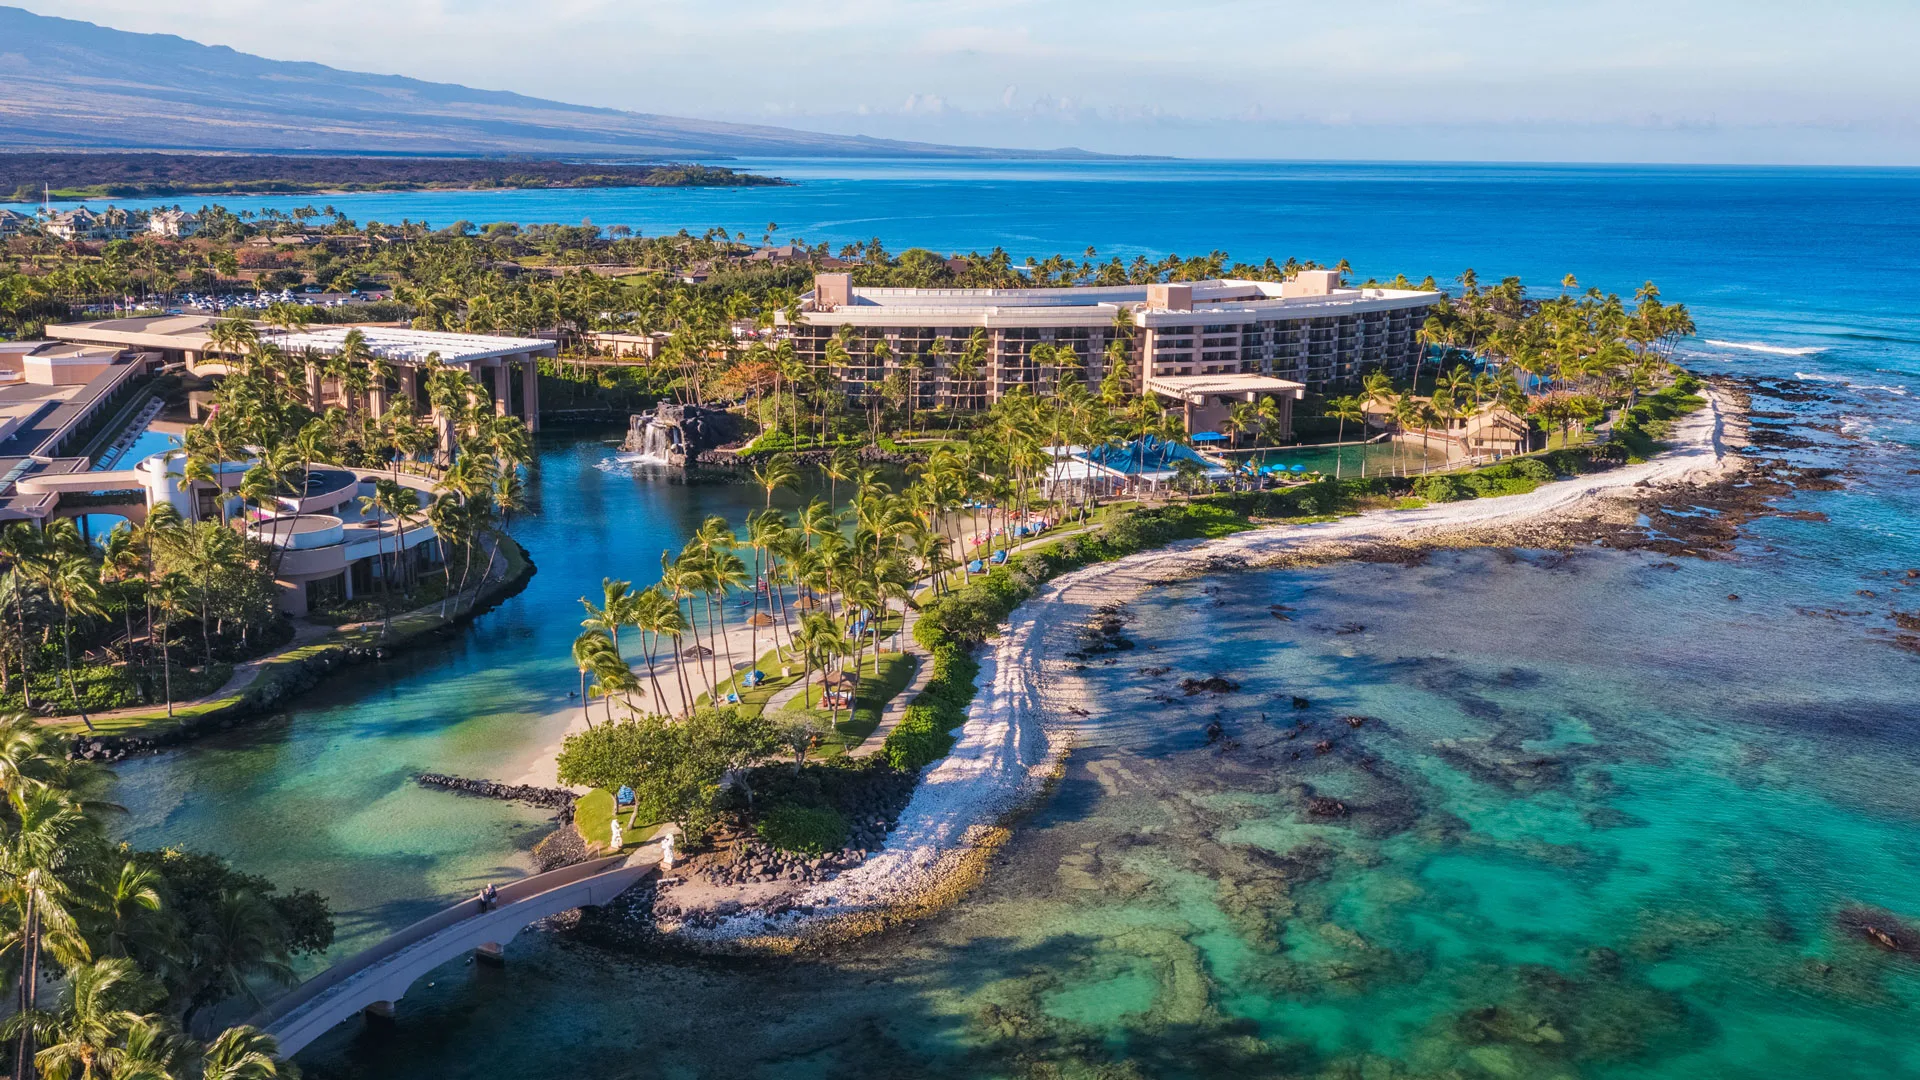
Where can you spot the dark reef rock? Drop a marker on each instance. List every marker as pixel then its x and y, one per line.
pixel 680 433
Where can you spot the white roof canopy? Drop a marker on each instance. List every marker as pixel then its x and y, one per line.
pixel 412 347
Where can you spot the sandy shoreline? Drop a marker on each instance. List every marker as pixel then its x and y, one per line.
pixel 1018 730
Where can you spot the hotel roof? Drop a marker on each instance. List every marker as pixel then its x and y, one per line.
pixel 1231 298
pixel 407 346
pixel 397 344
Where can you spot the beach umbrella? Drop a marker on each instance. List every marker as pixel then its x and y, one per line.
pixel 694 652
pixel 761 618
pixel 1299 468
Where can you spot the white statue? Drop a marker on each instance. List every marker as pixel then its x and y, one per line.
pixel 618 841
pixel 666 851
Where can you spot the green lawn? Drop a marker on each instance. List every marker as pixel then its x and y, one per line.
pixel 593 819
pixel 881 681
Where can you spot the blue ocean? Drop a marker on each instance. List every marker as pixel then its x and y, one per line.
pixel 1604 819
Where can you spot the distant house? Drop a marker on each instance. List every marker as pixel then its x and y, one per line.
pixel 784 255
pixel 83 224
pixel 175 224
pixel 13 223
pixel 645 346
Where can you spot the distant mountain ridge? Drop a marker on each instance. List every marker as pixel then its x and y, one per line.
pixel 66 83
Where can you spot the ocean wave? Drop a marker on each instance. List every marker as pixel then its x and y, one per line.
pixel 1755 346
pixel 1809 376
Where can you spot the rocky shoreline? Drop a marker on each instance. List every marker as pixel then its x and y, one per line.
pixel 1021 724
pixel 558 799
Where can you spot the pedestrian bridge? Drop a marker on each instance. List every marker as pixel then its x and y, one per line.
pixel 377 977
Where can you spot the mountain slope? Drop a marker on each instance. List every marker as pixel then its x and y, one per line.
pixel 74 84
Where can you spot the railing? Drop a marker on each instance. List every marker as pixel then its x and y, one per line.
pixel 399 942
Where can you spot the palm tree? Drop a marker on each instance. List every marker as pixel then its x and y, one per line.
pixel 1343 409
pixel 655 615
pixel 613 612
pixel 86 1031
pixel 23 545
pixel 171 595
pixel 242 947
pixel 244 1053
pixel 42 867
pixel 74 588
pixel 776 472
pixel 1404 414
pixel 588 648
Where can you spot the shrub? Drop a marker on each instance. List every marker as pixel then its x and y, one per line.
pixel 1532 469
pixel 1442 488
pixel 810 830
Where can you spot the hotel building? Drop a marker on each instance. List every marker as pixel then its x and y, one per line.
pixel 1199 346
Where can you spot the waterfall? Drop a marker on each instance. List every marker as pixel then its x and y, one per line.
pixel 652 444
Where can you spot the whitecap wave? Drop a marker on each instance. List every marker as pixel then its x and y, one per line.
pixel 1756 346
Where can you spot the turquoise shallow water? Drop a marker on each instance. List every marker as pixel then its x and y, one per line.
pixel 1605 821
pixel 323 796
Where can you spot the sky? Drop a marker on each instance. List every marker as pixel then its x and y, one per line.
pixel 1735 81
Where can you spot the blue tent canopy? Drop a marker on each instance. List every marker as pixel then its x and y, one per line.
pixel 1208 436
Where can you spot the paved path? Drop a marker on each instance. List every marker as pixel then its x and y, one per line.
pixel 382 974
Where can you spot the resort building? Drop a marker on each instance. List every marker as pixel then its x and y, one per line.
pixel 507 367
pixel 1491 430
pixel 83 224
pixel 173 224
pixel 1199 346
pixel 52 393
pixel 324 548
pixel 13 223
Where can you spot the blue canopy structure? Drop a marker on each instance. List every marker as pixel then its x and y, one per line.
pixel 976 566
pixel 1207 436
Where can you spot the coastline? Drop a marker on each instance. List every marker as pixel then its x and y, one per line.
pixel 1019 731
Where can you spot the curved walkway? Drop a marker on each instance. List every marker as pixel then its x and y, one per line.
pixel 382 974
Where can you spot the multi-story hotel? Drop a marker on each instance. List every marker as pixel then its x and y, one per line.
pixel 1198 345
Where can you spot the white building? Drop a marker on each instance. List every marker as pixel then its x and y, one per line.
pixel 173 224
pixel 1200 345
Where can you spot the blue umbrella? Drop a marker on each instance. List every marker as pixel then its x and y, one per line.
pixel 1299 468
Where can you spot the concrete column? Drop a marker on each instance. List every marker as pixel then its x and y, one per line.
pixel 410 387
pixel 502 389
pixel 530 391
pixel 377 400
pixel 314 389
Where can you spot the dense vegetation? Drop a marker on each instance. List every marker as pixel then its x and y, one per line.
pixel 117 955
pixel 134 175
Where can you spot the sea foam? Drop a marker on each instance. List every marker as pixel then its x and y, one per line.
pixel 1755 346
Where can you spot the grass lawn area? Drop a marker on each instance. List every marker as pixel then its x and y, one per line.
pixel 881 680
pixel 593 819
pixel 753 699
